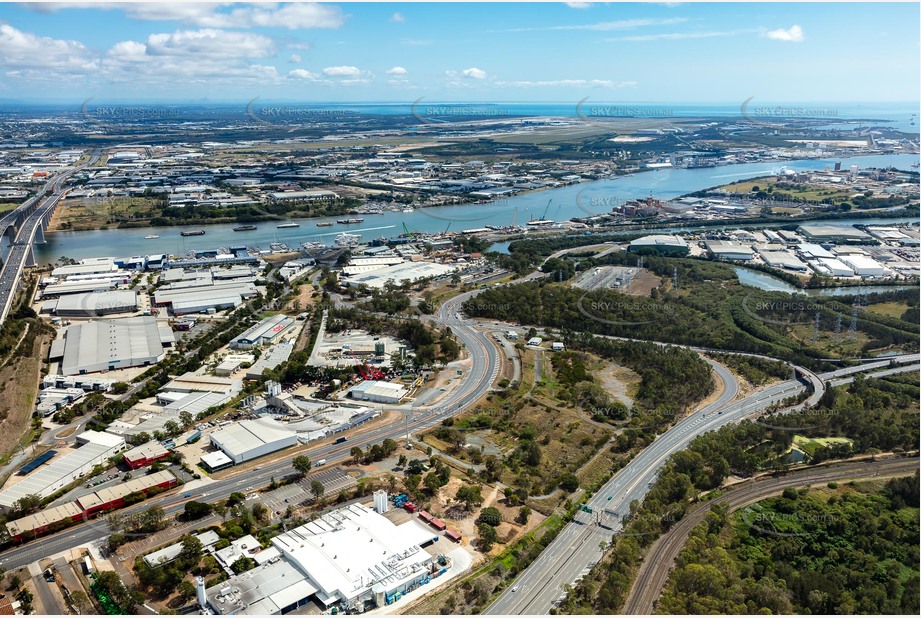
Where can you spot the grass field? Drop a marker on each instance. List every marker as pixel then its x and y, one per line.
pixel 562 432
pixel 96 213
pixel 892 309
pixel 811 445
pixel 808 194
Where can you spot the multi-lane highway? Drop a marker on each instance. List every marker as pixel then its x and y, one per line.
pixel 657 565
pixel 15 261
pixel 577 546
pixel 484 366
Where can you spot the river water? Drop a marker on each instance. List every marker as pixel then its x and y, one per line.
pixel 584 199
pixel 764 281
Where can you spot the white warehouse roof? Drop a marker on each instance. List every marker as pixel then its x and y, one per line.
pixel 348 551
pixel 399 273
pixel 97 303
pixel 252 438
pixel 57 474
pixel 111 344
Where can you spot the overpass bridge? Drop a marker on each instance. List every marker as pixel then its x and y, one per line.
pixel 21 228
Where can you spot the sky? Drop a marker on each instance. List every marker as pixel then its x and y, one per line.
pixel 397 52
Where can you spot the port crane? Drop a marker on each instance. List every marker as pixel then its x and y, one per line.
pixel 547 209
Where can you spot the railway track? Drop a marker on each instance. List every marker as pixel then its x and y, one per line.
pixel 660 559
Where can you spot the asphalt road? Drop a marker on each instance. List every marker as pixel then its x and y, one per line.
pixel 49 602
pixel 657 565
pixel 576 548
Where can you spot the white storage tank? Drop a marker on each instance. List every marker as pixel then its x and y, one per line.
pixel 380 501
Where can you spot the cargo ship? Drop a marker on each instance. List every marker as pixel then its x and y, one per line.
pixel 325 224
pixel 244 228
pixel 192 233
pixel 350 221
pixel 287 225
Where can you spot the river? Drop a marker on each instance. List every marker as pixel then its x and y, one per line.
pixel 578 200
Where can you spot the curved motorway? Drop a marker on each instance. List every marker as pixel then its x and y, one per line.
pixel 576 548
pixel 657 565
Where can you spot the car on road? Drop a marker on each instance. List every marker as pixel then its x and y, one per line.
pixel 515 588
pixel 187 496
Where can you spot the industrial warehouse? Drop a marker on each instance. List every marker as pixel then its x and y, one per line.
pixel 252 438
pixel 379 392
pixel 265 332
pixel 92 304
pixel 87 506
pixel 97 448
pixel 352 557
pixel 105 345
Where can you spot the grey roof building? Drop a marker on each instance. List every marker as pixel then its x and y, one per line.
pixel 94 304
pixel 106 345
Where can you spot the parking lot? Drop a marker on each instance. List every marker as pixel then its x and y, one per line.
pixel 334 480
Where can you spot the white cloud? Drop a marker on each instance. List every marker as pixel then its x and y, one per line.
pixel 342 71
pixel 293 16
pixel 210 42
pixel 417 42
pixel 193 57
pixel 347 75
pixel 25 51
pixel 579 5
pixel 294 58
pixel 604 26
pixel 303 74
pixel 396 71
pixel 473 73
pixel 794 34
pixel 398 18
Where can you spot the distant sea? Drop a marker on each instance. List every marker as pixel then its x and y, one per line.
pixel 899 115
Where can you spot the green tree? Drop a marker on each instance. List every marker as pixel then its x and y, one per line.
pixel 262 513
pixel 569 482
pixel 190 554
pixel 185 590
pixel 242 564
pixel 317 489
pixel 487 536
pixel 196 510
pixel 302 464
pixel 523 514
pixel 490 515
pixel 469 495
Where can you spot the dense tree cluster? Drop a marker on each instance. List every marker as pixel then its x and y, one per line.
pixel 853 552
pixel 877 414
pixel 709 309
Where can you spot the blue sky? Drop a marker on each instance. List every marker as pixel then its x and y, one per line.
pixel 656 52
